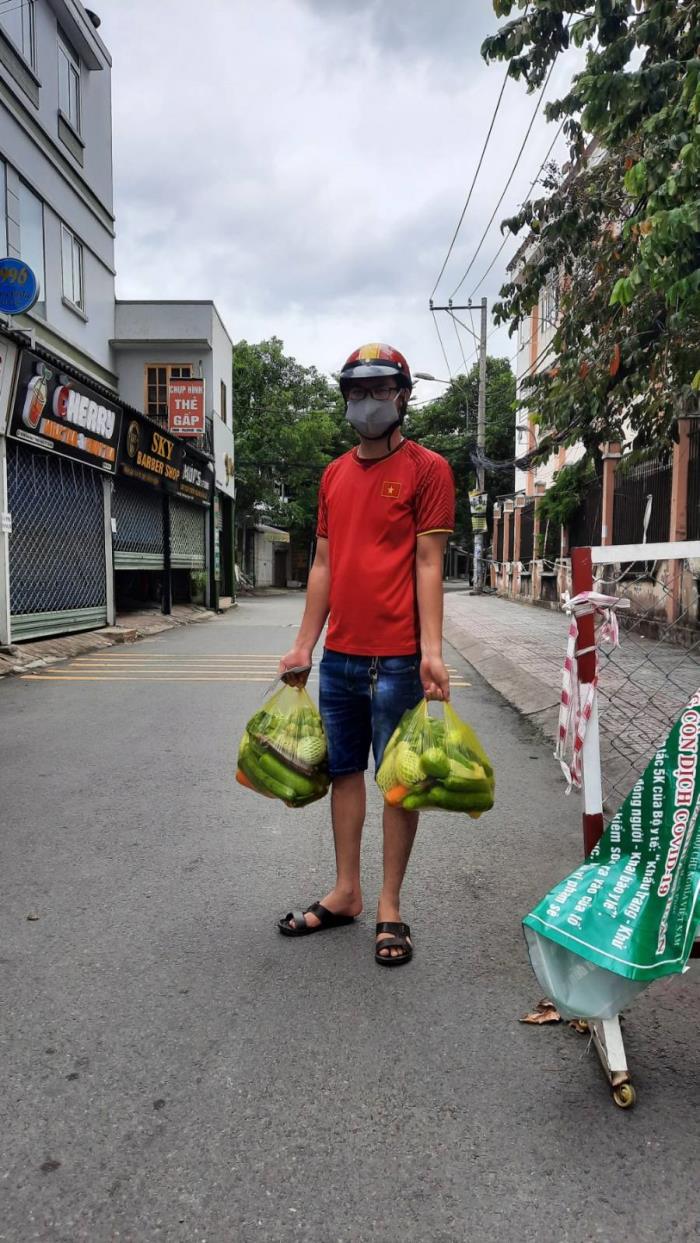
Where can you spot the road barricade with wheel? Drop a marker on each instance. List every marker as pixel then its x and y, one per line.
pixel 630 913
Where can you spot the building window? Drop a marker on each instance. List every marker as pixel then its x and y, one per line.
pixel 31 238
pixel 158 377
pixel 72 264
pixel 17 20
pixel 224 411
pixel 69 83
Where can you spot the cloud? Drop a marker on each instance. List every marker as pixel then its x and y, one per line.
pixel 304 163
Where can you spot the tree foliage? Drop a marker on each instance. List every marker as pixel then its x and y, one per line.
pixel 288 423
pixel 620 231
pixel 448 426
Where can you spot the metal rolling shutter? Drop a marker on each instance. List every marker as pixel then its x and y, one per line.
pixel 187 535
pixel 138 542
pixel 58 578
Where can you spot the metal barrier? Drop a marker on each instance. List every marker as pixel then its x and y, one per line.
pixel 584 527
pixel 693 519
pixel 645 683
pixel 637 692
pixel 527 533
pixel 642 509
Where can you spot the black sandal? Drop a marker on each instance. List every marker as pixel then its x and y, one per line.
pixel 398 941
pixel 325 917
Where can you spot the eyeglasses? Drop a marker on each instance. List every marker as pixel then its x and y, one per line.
pixel 381 393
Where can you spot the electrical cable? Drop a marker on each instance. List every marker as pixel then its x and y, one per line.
pixel 442 346
pixel 459 339
pixel 508 236
pixel 510 178
pixel 471 188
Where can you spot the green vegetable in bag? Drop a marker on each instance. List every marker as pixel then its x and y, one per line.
pixel 436 764
pixel 283 750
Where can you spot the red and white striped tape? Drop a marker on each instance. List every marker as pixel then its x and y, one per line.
pixel 575 708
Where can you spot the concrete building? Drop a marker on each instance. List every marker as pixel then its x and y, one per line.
pixel 91 486
pixel 155 342
pixel 535 354
pixel 56 184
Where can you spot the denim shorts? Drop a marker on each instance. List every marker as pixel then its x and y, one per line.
pixel 362 700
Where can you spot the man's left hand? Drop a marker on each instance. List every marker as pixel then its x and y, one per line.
pixel 435 678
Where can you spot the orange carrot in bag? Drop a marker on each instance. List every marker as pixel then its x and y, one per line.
pixel 244 781
pixel 396 795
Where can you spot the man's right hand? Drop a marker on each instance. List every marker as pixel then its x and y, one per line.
pixel 298 657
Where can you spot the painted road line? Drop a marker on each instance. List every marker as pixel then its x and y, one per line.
pixel 108 677
pixel 140 679
pixel 127 664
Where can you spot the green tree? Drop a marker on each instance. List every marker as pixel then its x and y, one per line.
pixel 448 425
pixel 621 231
pixel 288 423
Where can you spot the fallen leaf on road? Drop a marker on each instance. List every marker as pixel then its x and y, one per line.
pixel 580 1026
pixel 544 1012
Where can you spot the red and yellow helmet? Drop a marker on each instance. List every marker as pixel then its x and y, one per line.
pixel 373 361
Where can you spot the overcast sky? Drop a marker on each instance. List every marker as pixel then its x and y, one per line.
pixel 304 163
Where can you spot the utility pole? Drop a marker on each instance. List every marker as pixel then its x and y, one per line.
pixel 481 444
pixel 480 427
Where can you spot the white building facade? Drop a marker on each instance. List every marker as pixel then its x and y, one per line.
pixel 97 498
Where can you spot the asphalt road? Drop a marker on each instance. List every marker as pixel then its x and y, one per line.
pixel 174 1069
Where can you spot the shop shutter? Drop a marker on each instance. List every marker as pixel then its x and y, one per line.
pixel 138 541
pixel 187 535
pixel 58 579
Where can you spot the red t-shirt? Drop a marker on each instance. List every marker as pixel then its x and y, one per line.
pixel 371 513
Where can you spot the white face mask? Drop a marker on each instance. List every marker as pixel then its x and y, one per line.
pixel 371 418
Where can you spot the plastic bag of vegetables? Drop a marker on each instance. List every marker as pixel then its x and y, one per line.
pixel 436 763
pixel 283 750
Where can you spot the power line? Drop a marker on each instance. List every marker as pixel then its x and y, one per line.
pixel 476 174
pixel 510 178
pixel 507 237
pixel 442 346
pixel 459 339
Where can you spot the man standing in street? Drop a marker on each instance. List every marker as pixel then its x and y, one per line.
pixel 385 511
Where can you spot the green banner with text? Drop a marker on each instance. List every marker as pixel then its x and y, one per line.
pixel 633 907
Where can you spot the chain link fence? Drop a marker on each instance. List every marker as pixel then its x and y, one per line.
pixel 57 545
pixel 646 682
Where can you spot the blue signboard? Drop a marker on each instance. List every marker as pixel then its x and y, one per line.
pixel 19 288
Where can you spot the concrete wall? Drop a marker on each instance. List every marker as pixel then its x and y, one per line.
pixel 131 363
pixel 535 339
pixel 264 560
pixel 179 332
pixel 222 370
pixel 73 179
pixel 177 322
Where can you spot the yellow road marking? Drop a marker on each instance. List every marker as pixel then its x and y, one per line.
pixel 165 676
pixel 119 664
pixel 108 677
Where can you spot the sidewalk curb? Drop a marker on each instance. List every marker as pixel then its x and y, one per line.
pixel 18 659
pixel 531 696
